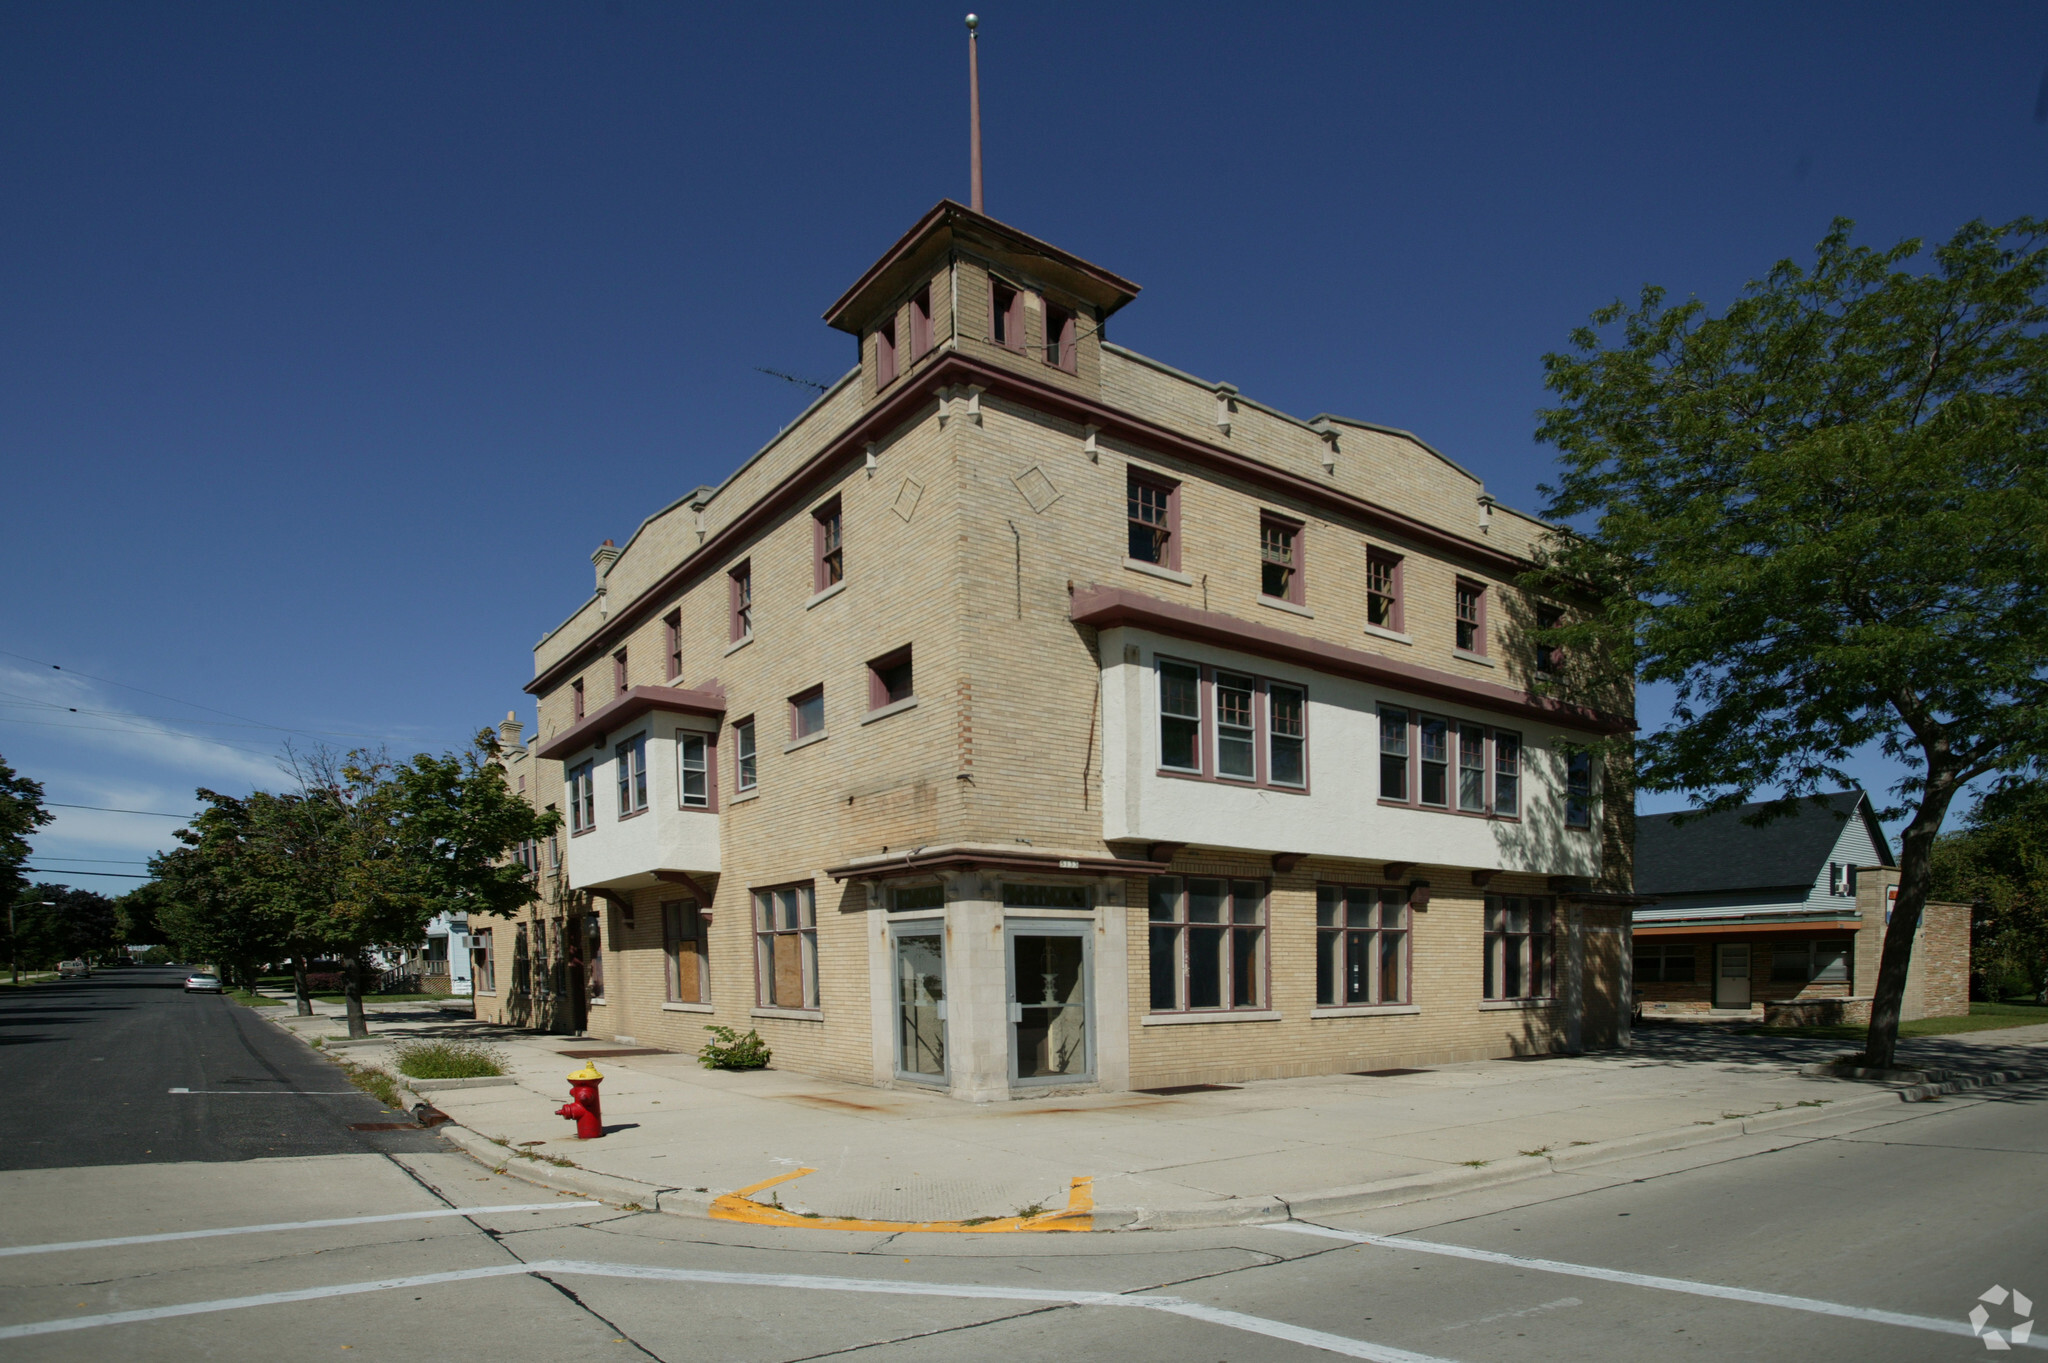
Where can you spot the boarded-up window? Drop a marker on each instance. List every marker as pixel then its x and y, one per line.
pixel 688 947
pixel 786 946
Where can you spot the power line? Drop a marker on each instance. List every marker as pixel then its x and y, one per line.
pixel 153 813
pixel 99 861
pixel 140 729
pixel 21 700
pixel 54 871
pixel 107 681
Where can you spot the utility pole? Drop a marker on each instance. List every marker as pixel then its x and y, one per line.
pixel 974 110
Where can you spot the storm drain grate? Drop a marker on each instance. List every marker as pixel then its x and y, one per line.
pixel 1189 1088
pixel 1387 1074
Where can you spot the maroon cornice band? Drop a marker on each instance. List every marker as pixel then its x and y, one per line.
pixel 1104 607
pixel 616 714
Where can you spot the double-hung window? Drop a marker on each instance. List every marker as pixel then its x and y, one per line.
pixel 1433 749
pixel 1383 590
pixel 1287 736
pixel 1005 314
pixel 1153 510
pixel 740 594
pixel 672 643
pixel 686 943
pixel 582 798
pixel 1232 726
pixel 619 673
pixel 1471 603
pixel 1362 948
pixel 1280 559
pixel 890 680
pixel 1237 749
pixel 630 758
pixel 1393 754
pixel 807 713
pixel 786 946
pixel 1180 716
pixel 483 965
pixel 1578 789
pixel 743 760
pixel 693 769
pixel 1518 947
pixel 1208 944
pixel 1549 657
pixel 828 554
pixel 1471 769
pixel 1507 775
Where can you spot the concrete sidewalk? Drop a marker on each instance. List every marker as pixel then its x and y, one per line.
pixel 684 1139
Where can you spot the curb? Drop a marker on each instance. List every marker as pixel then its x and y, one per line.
pixel 1249 1211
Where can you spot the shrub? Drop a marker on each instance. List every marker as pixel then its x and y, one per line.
pixel 448 1060
pixel 731 1051
pixel 324 982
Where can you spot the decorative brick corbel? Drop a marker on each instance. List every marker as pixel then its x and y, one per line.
pixel 1283 862
pixel 1163 851
pixel 1398 870
pixel 1482 878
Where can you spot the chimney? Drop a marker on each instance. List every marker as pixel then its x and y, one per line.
pixel 509 731
pixel 603 560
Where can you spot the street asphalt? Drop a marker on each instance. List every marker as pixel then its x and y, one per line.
pixel 89 1067
pixel 1870 1238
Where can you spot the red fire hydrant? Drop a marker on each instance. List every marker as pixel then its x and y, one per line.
pixel 582 1107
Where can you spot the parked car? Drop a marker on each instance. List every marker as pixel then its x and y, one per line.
pixel 202 983
pixel 72 970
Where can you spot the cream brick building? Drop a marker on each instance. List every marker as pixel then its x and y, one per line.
pixel 1029 714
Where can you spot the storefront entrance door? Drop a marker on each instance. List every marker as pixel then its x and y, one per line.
pixel 921 1002
pixel 1048 969
pixel 1731 975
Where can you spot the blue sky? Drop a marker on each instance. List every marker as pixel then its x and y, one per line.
pixel 335 336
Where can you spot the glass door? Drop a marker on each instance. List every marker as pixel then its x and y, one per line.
pixel 921 1002
pixel 1048 968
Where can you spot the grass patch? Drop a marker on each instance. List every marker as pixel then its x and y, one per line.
pixel 449 1060
pixel 27 978
pixel 372 1081
pixel 385 998
pixel 1983 1017
pixel 249 1000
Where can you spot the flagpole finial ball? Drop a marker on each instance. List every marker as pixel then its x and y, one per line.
pixel 973 22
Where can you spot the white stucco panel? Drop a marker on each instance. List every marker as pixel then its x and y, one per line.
pixel 624 852
pixel 1340 814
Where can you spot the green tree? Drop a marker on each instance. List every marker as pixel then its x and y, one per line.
pixel 135 916
pixel 214 904
pixel 1998 862
pixel 21 814
pixel 1822 517
pixel 55 923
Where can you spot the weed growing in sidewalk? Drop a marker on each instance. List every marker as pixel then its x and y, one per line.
pixel 1538 1153
pixel 373 1081
pixel 449 1060
pixel 1476 1163
pixel 728 1050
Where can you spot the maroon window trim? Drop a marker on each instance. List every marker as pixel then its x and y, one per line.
pixel 885 354
pixel 1173 936
pixel 1473 592
pixel 1383 573
pixel 1140 511
pixel 619 687
pixel 672 643
pixel 711 742
pixel 745 735
pixel 740 596
pixel 576 699
pixel 1455 732
pixel 1059 338
pixel 1005 314
pixel 1210 728
pixel 921 323
pixel 1275 530
pixel 800 699
pixel 828 546
pixel 1549 657
pixel 881 672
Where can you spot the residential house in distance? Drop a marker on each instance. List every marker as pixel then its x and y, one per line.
pixel 1750 918
pixel 1030 715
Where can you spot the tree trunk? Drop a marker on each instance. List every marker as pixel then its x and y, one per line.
pixel 352 986
pixel 299 985
pixel 1916 879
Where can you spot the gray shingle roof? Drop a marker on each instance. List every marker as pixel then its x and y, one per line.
pixel 1720 852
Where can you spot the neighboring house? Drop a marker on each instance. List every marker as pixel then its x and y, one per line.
pixel 447 958
pixel 1029 714
pixel 1793 911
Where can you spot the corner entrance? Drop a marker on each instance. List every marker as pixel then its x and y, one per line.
pixel 1731 975
pixel 921 1002
pixel 1048 966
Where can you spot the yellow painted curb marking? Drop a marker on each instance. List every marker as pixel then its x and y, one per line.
pixel 1077 1215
